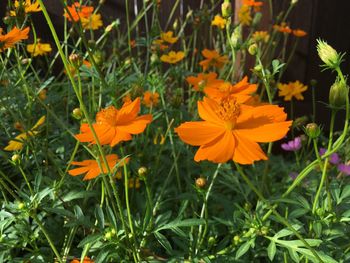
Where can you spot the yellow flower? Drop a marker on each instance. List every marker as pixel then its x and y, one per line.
pixel 172 57
pixel 261 36
pixel 168 37
pixel 28 7
pixel 17 143
pixel 39 49
pixel 292 89
pixel 93 22
pixel 244 16
pixel 219 22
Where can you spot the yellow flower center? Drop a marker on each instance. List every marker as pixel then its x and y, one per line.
pixel 228 111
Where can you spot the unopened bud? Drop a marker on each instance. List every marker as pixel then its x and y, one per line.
pixel 15 158
pixel 226 9
pixel 257 19
pixel 252 49
pixel 25 61
pixel 328 54
pixel 77 113
pixel 293 2
pixel 312 130
pixel 201 182
pixel 42 94
pixel 175 24
pixel 142 171
pixel 338 94
pixel 21 205
pixel 76 60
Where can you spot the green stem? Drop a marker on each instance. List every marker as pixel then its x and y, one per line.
pixel 204 207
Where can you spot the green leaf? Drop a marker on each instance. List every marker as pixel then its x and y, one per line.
pixel 183 223
pixel 344 194
pixel 243 249
pixel 90 239
pixel 271 250
pixel 100 217
pixel 77 194
pixel 164 242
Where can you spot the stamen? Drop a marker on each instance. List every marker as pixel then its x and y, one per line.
pixel 229 111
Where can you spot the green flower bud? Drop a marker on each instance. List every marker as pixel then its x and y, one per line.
pixel 252 49
pixel 236 37
pixel 21 206
pixel 16 158
pixel 312 130
pixel 226 9
pixel 338 94
pixel 201 182
pixel 142 171
pixel 328 54
pixel 77 113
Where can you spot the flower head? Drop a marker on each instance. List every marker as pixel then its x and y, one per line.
pixel 241 90
pixel 150 99
pixel 253 3
pixel 333 158
pixel 344 168
pixel 27 6
pixel 293 145
pixel 115 125
pixel 283 28
pixel 212 58
pixel 39 49
pixel 261 36
pixel 292 89
pixel 299 33
pixel 77 11
pixel 231 131
pixel 219 22
pixel 173 57
pixel 11 38
pixel 92 22
pixel 91 168
pixel 168 37
pixel 17 143
pixel 204 80
pixel 86 260
pixel 244 16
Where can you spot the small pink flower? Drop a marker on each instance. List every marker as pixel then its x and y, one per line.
pixel 293 145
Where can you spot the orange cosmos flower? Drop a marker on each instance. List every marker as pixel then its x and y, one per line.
pixel 204 80
pixel 113 126
pixel 86 260
pixel 283 28
pixel 243 90
pixel 212 58
pixel 292 89
pixel 77 11
pixel 299 33
pixel 11 38
pixel 244 16
pixel 150 99
pixel 172 57
pixel 159 44
pixel 91 169
pixel 168 37
pixel 27 6
pixel 254 4
pixel 231 131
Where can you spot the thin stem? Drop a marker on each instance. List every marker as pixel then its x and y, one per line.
pixel 204 207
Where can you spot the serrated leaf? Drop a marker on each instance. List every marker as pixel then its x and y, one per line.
pixel 271 250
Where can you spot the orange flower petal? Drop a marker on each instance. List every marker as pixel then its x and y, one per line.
pixel 120 136
pixel 219 151
pixel 247 151
pixel 206 111
pixel 138 125
pixel 199 132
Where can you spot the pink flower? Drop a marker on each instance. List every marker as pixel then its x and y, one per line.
pixel 293 145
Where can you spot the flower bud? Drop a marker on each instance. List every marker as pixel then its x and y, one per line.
pixel 20 205
pixel 15 158
pixel 42 94
pixel 236 36
pixel 338 94
pixel 77 113
pixel 252 49
pixel 257 19
pixel 226 9
pixel 18 126
pixel 76 60
pixel 312 130
pixel 201 182
pixel 293 2
pixel 142 171
pixel 313 83
pixel 175 24
pixel 328 54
